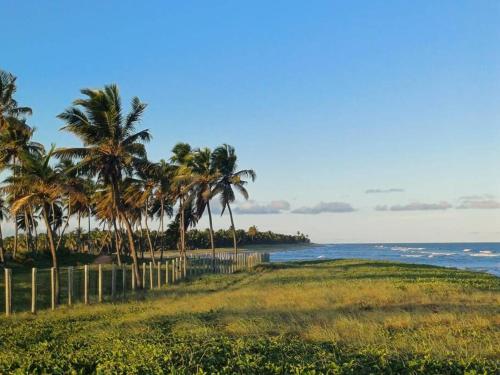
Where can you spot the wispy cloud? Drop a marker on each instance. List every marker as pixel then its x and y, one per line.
pixel 254 208
pixel 415 206
pixel 480 202
pixel 391 190
pixel 325 207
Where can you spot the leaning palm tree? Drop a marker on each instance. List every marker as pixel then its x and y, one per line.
pixel 112 149
pixel 38 185
pixel 205 178
pixel 224 160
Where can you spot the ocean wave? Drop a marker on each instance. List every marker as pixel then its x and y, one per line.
pixel 403 248
pixel 484 255
pixel 411 256
pixel 486 251
pixel 433 254
pixel 467 250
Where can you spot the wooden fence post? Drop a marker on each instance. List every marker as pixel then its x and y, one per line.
pixel 166 272
pixel 8 291
pixel 86 284
pixel 33 290
pixel 113 280
pixel 99 284
pixel 70 286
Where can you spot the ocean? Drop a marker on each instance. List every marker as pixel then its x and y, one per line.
pixel 484 257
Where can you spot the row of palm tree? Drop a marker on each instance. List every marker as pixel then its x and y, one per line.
pixel 109 178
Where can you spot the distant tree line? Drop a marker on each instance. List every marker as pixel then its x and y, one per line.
pixel 101 241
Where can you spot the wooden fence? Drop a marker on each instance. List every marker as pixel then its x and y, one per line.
pixel 100 283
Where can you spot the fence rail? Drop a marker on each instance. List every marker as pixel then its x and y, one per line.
pixel 98 283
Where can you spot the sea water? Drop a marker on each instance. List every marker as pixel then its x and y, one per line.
pixel 483 257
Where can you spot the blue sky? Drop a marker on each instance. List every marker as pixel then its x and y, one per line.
pixel 324 99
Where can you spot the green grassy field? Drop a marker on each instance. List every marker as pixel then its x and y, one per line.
pixel 345 316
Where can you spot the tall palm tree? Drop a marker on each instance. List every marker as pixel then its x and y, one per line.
pixel 205 178
pixel 112 149
pixel 3 216
pixel 225 161
pixel 162 199
pixel 139 195
pixel 181 186
pixel 38 185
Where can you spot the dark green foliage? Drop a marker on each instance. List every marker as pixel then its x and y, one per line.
pixel 41 351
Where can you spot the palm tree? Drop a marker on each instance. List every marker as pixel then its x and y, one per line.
pixel 205 178
pixel 139 195
pixel 3 216
pixel 10 111
pixel 162 199
pixel 181 186
pixel 112 149
pixel 15 140
pixel 224 160
pixel 38 185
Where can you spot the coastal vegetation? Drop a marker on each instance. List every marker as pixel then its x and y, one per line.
pixel 339 317
pixel 108 180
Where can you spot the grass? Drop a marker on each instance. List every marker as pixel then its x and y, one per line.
pixel 344 316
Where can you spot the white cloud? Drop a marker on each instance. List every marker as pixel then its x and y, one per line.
pixel 481 202
pixel 325 207
pixel 254 208
pixel 415 206
pixel 391 190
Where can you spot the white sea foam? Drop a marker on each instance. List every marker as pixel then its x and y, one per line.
pixel 412 256
pixel 467 250
pixel 484 255
pixel 486 251
pixel 403 248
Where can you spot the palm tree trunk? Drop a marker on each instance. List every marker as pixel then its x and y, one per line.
pixel 27 230
pixel 133 253
pixel 182 228
pixel 52 249
pixel 117 243
pixel 232 227
pixel 2 258
pixel 79 238
pixel 162 234
pixel 61 233
pixel 32 218
pixel 211 230
pixel 148 236
pixel 16 234
pixel 88 233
